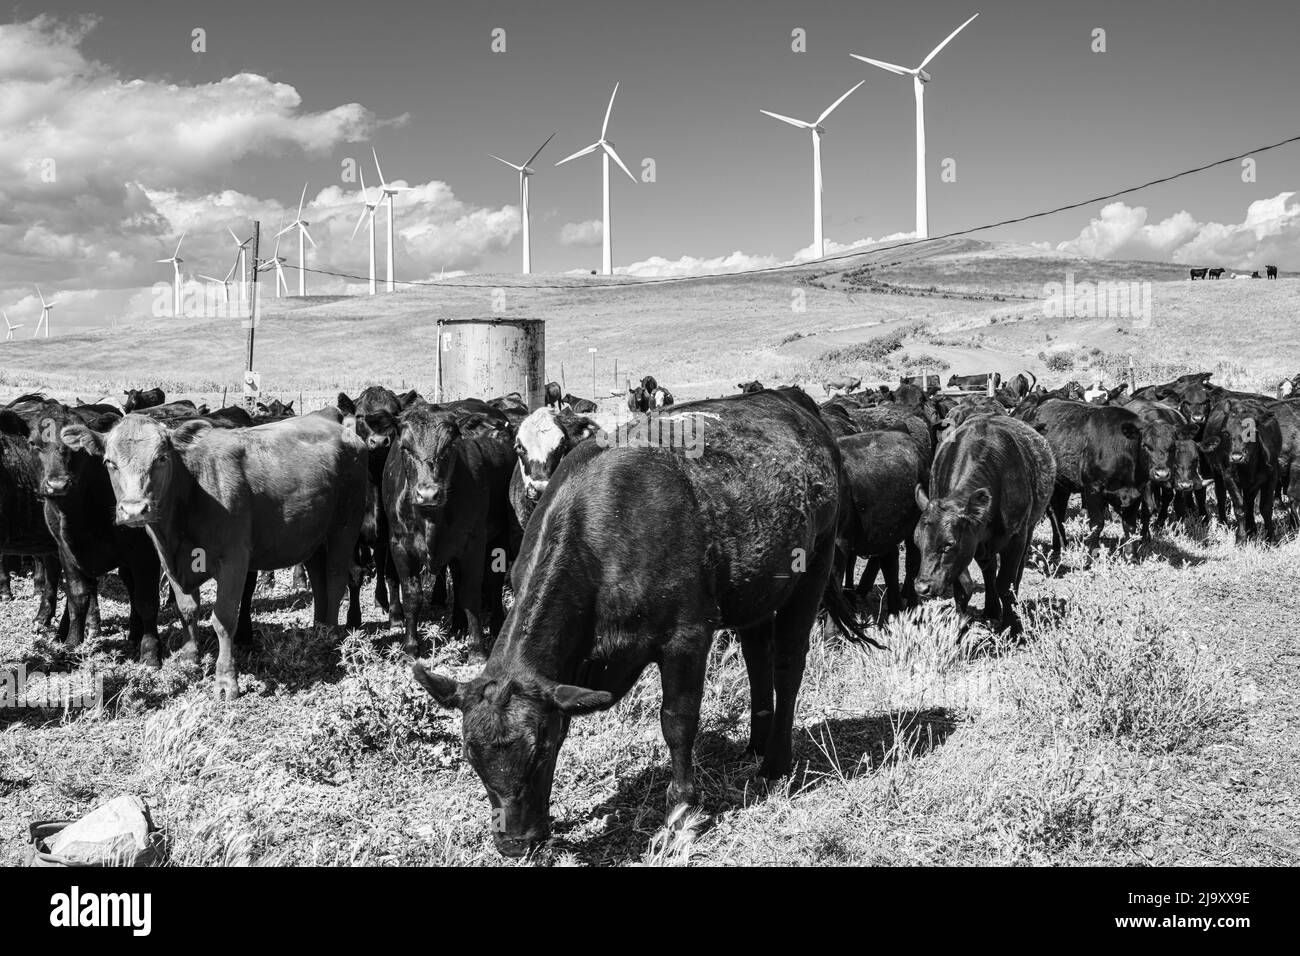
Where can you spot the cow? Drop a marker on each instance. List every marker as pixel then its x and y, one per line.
pixel 918 421
pixel 1096 449
pixel 925 382
pixel 137 399
pixel 512 406
pixel 1217 273
pixel 837 420
pixel 1243 444
pixel 170 411
pixel 1271 271
pixel 1255 274
pixel 747 387
pixel 881 469
pixel 1098 394
pixel 1289 387
pixel 1192 394
pixel 273 411
pixel 1019 385
pixel 841 386
pixel 638 400
pixel 542 440
pixel 649 384
pixel 23 530
pixel 79 505
pixel 582 406
pixel 1287 414
pixel 1199 273
pixel 638 554
pixel 447 498
pixel 223 503
pixel 975 383
pixel 554 394
pixel 1169 461
pixel 990 485
pixel 232 415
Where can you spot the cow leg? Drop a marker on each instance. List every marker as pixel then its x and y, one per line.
pixel 232 578
pixel 187 608
pixel 1011 564
pixel 1095 505
pixel 299 579
pixel 469 596
pixel 1266 496
pixel 1129 520
pixel 144 607
pixel 756 645
pixel 681 672
pixel 911 567
pixel 790 632
pixel 395 612
pixel 6 591
pixel 1220 501
pixel 1056 514
pixel 407 570
pixel 889 564
pixel 354 582
pixel 244 627
pixel 45 581
pixel 988 565
pixel 1245 517
pixel 868 579
pixel 267 580
pixel 336 562
pixel 79 588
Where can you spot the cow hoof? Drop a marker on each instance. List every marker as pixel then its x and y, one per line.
pixel 226 685
pixel 679 794
pixel 774 767
pixel 149 654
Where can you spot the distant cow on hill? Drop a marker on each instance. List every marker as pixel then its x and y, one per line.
pixel 971 383
pixel 1199 273
pixel 1217 273
pixel 841 386
pixel 1272 271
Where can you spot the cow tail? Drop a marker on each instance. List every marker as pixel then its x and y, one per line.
pixel 837 607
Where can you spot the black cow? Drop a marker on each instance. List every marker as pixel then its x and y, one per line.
pixel 1199 273
pixel 649 384
pixel 512 406
pixel 917 420
pixel 1217 273
pixel 447 498
pixel 233 416
pixel 882 470
pixel 79 507
pixel 747 387
pixel 1097 451
pixel 582 406
pixel 1287 414
pixel 554 394
pixel 638 400
pixel 638 554
pixel 838 421
pixel 1192 394
pixel 1243 444
pixel 23 530
pixel 137 399
pixel 990 485
pixel 1271 271
pixel 176 411
pixel 1169 461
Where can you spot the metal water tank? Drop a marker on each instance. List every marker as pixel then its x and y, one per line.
pixel 484 358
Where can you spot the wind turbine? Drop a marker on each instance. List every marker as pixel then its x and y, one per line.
pixel 368 215
pixel 387 191
pixel 176 261
pixel 524 172
pixel 919 78
pixel 607 251
pixel 224 283
pixel 243 265
pixel 301 226
pixel 10 327
pixel 277 262
pixel 819 241
pixel 45 316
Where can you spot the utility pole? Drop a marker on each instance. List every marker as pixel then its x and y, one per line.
pixel 249 377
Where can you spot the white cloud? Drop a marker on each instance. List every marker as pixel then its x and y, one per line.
pixel 586 233
pixel 692 265
pixel 1269 235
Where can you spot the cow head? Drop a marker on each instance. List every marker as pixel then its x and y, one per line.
pixel 1231 432
pixel 748 387
pixel 143 460
pixel 544 438
pixel 1186 458
pixel 638 399
pixel 61 467
pixel 427 441
pixel 947 534
pixel 513 730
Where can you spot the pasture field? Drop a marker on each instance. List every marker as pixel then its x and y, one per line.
pixel 1147 715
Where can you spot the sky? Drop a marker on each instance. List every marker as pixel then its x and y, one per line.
pixel 118 135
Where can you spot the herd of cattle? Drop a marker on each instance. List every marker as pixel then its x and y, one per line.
pixel 1208 273
pixel 620 550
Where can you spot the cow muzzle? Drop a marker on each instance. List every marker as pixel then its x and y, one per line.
pixel 55 487
pixel 534 490
pixel 1185 485
pixel 1160 474
pixel 134 512
pixel 1237 457
pixel 429 496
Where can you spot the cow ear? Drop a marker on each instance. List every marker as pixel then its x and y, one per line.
pixel 349 424
pixel 978 505
pixel 574 701
pixel 289 408
pixel 1130 431
pixel 446 691
pixel 11 423
pixel 922 499
pixel 187 433
pixel 79 437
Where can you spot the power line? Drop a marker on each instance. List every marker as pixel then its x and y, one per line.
pixel 813 263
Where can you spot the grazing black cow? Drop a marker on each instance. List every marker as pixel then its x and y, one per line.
pixel 554 394
pixel 975 383
pixel 747 387
pixel 447 498
pixel 1199 273
pixel 222 503
pixel 841 386
pixel 23 530
pixel 637 555
pixel 1271 271
pixel 1243 443
pixel 990 485
pixel 1097 450
pixel 79 509
pixel 917 420
pixel 882 470
pixel 582 406
pixel 1169 461
pixel 542 440
pixel 1217 273
pixel 1287 414
pixel 137 399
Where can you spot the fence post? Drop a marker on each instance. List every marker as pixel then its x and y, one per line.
pixel 252 309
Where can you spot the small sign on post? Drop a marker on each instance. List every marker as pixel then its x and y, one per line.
pixel 252 385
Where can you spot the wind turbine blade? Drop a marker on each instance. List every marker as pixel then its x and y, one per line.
pixel 935 51
pixel 539 150
pixel 830 109
pixel 178 245
pixel 582 152
pixel 288 228
pixel 233 236
pixel 891 67
pixel 42 297
pixel 363 183
pixel 233 266
pixel 360 220
pixel 277 239
pixel 309 238
pixel 377 169
pixel 608 109
pixel 302 200
pixel 614 156
pixel 209 278
pixel 511 165
pixel 787 119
